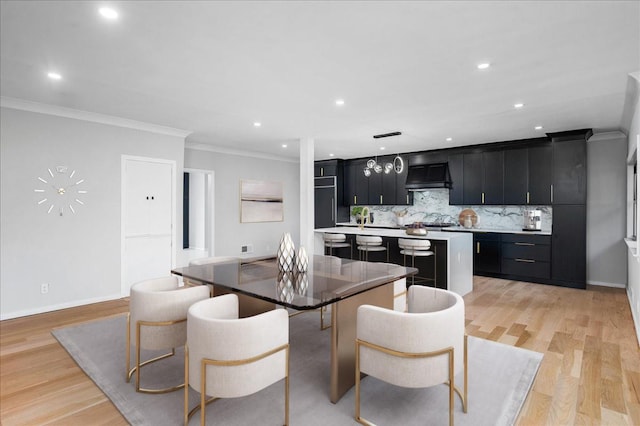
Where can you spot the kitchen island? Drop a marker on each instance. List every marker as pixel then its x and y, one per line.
pixel 454 252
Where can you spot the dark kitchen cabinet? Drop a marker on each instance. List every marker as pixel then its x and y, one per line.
pixel 569 246
pixel 540 174
pixel 570 167
pixel 325 202
pixel 516 175
pixel 526 256
pixel 356 184
pixel 483 178
pixel 382 186
pixel 403 197
pixel 486 253
pixel 456 171
pixel 528 175
pixel 326 168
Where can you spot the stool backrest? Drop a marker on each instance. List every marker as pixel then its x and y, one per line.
pixel 414 244
pixel 368 240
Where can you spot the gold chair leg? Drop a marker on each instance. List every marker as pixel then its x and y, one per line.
pixel 139 364
pixel 128 375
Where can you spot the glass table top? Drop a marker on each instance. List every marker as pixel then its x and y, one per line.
pixel 327 280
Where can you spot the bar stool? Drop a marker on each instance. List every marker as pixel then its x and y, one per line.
pixel 368 243
pixel 417 248
pixel 333 241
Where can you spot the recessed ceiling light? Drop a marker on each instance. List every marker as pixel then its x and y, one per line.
pixel 382 148
pixel 449 139
pixel 257 124
pixel 484 65
pixel 108 13
pixel 339 102
pixel 538 127
pixel 54 75
pixel 519 105
pixel 284 145
pixel 330 155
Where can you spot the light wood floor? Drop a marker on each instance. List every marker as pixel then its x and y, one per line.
pixel 590 373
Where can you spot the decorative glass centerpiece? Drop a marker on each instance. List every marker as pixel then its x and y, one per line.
pixel 286 254
pixel 302 260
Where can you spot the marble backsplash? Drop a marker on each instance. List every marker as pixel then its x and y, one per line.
pixel 433 206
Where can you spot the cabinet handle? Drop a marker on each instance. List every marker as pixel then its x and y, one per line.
pixel 527 197
pixel 525 260
pixel 524 244
pixel 483 198
pixel 355 199
pixel 478 247
pixel 380 198
pixel 407 198
pixel 321 171
pixel 551 193
pixel 333 210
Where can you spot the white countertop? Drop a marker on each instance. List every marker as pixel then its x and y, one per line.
pixel 393 233
pixel 343 225
pixel 501 231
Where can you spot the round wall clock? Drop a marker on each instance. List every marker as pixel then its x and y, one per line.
pixel 61 190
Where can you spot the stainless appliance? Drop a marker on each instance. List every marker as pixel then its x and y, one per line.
pixel 532 220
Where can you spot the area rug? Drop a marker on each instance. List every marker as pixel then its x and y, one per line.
pixel 500 377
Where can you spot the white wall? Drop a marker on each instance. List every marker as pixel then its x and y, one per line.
pixel 229 170
pixel 606 210
pixel 77 255
pixel 633 287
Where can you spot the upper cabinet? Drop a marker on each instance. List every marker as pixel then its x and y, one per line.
pixel 570 166
pixel 528 175
pixel 356 184
pixel 456 170
pixel 382 186
pixel 326 168
pixel 403 197
pixel 483 178
pixel 377 188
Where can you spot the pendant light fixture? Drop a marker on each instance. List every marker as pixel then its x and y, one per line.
pixel 373 165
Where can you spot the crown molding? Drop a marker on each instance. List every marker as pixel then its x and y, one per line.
pixel 252 154
pixel 24 105
pixel 607 136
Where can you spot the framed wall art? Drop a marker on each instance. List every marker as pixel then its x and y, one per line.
pixel 261 201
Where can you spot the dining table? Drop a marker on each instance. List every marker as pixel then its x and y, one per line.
pixel 342 284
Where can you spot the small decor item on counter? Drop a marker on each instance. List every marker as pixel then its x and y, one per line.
pixel 286 253
pixel 416 228
pixel 468 218
pixel 400 217
pixel 302 260
pixel 357 213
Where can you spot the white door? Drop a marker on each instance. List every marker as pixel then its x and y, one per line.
pixel 148 205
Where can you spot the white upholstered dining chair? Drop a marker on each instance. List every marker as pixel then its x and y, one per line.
pixel 423 347
pixel 157 321
pixel 230 357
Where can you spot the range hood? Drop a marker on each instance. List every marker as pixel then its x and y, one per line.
pixel 426 176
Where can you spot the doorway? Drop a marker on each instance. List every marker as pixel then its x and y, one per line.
pixel 198 216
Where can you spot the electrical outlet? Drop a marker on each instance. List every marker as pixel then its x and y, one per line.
pixel 248 248
pixel 44 288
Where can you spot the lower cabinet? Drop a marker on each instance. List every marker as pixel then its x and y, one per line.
pixel 569 261
pixel 512 256
pixel 486 253
pixel 527 256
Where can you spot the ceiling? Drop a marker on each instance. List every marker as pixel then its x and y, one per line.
pixel 215 68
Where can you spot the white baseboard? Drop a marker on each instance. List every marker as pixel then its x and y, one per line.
pixel 50 308
pixel 603 284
